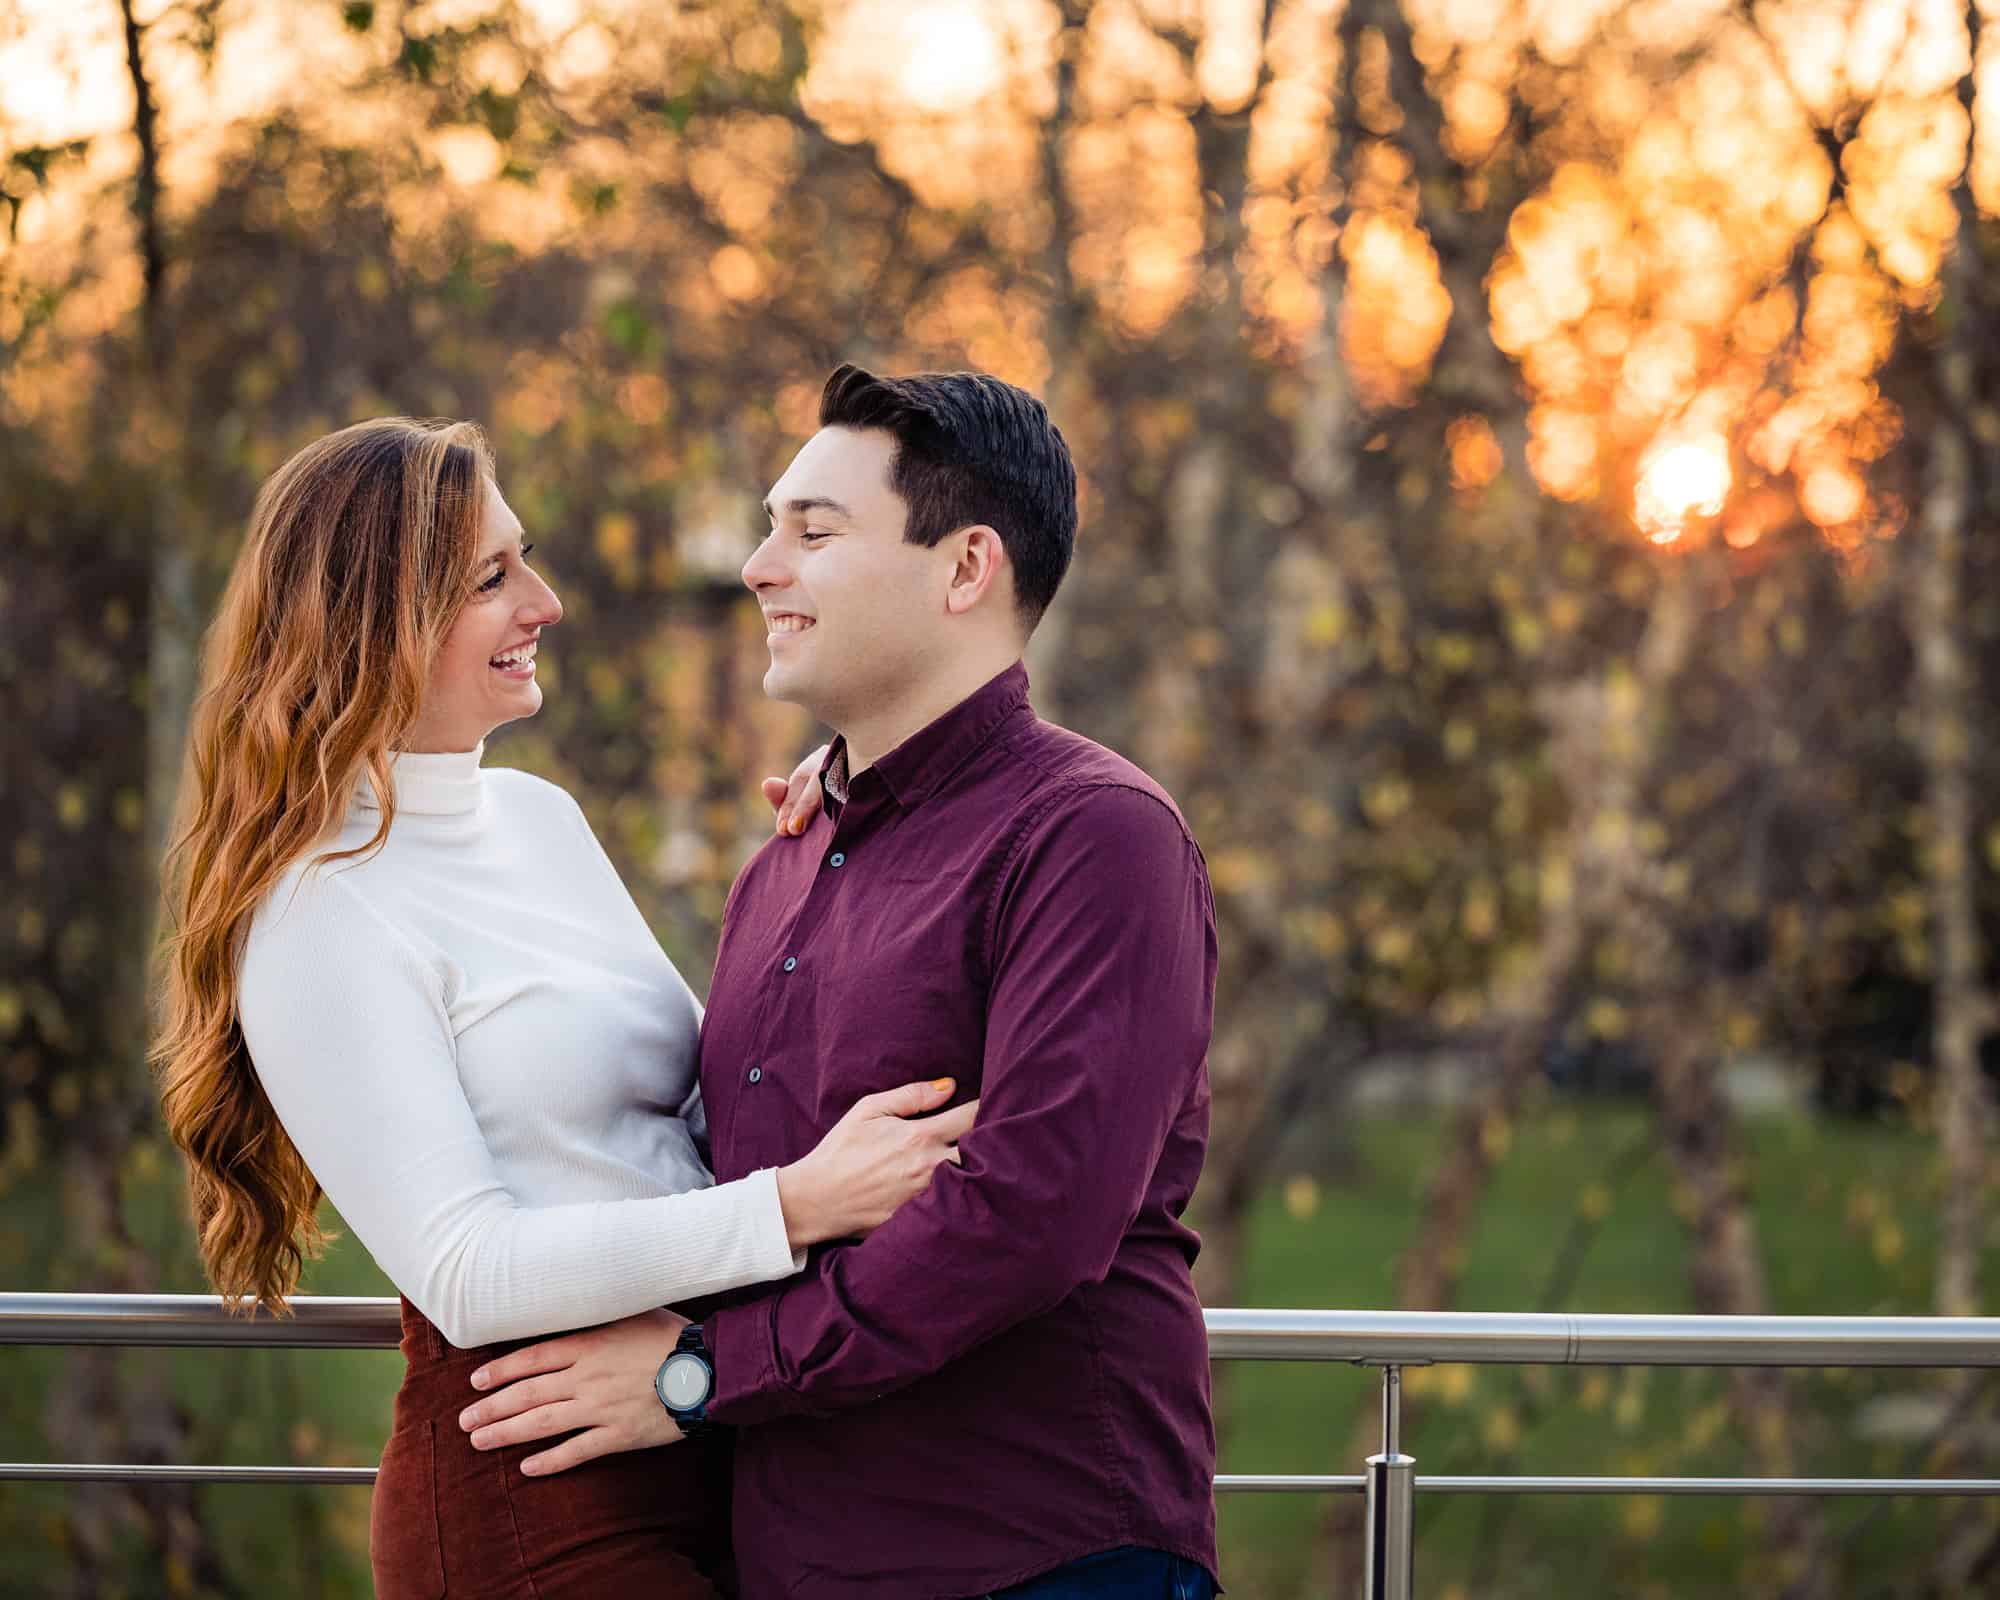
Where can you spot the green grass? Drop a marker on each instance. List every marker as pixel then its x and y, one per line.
pixel 1847 1217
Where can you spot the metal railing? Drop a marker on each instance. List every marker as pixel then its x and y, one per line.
pixel 1389 1340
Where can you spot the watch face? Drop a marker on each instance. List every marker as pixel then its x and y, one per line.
pixel 684 1381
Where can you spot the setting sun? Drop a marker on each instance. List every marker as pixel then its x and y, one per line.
pixel 1683 480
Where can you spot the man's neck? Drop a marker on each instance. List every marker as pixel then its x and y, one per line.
pixel 871 737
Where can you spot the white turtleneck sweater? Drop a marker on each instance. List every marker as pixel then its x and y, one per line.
pixel 487 1061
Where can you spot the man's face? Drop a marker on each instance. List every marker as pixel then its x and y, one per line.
pixel 854 616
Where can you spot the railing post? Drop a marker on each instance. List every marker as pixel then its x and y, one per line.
pixel 1392 1494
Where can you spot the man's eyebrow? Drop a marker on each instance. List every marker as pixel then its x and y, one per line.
pixel 799 508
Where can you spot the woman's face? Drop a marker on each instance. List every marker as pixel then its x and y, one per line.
pixel 485 674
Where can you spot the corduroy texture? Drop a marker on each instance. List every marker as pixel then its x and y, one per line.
pixel 451 1520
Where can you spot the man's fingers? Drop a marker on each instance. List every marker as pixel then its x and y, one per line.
pixel 953 1125
pixel 550 1356
pixel 541 1423
pixel 586 1446
pixel 774 794
pixel 516 1398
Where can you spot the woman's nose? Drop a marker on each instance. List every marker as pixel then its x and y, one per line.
pixel 545 609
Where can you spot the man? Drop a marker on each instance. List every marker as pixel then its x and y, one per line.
pixel 1004 1387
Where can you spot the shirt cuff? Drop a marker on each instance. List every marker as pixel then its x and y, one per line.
pixel 742 1346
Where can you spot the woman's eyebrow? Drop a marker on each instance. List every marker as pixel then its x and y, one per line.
pixel 511 547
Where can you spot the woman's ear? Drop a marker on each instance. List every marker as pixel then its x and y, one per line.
pixel 977 567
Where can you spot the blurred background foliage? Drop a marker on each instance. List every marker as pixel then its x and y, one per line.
pixel 1540 465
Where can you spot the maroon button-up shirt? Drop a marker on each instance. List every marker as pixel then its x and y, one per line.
pixel 1012 1371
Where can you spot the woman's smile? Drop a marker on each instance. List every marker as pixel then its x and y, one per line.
pixel 517 663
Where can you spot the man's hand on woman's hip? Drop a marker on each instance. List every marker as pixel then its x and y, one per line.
pixel 599 1381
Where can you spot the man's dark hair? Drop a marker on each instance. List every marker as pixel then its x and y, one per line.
pixel 970 448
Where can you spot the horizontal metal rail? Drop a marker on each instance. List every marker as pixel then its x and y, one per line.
pixel 1225 1483
pixel 1376 1338
pixel 1390 1340
pixel 1532 1338
pixel 71 1472
pixel 1448 1483
pixel 183 1321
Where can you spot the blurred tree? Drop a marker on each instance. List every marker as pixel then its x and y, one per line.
pixel 1403 347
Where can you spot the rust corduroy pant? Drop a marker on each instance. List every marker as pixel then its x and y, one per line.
pixel 451 1521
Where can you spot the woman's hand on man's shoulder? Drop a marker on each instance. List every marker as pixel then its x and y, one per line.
pixel 796 801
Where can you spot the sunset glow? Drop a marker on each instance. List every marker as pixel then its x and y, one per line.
pixel 950 56
pixel 1681 481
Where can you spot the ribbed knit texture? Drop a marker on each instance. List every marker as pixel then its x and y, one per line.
pixel 489 1064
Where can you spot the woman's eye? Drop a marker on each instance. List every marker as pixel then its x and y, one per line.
pixel 493 582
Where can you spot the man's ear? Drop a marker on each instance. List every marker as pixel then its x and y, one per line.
pixel 979 565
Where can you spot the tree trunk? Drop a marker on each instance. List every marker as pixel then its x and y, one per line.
pixel 1065 315
pixel 1958 479
pixel 1726 1269
pixel 1962 1012
pixel 107 1406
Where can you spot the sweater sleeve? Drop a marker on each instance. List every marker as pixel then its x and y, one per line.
pixel 348 1031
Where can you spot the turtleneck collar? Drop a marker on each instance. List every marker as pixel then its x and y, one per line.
pixel 440 783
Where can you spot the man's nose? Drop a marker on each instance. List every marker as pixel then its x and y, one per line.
pixel 766 568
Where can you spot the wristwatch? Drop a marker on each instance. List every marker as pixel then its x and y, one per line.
pixel 685 1382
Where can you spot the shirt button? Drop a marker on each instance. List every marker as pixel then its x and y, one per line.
pixel 756 1074
pixel 791 963
pixel 837 859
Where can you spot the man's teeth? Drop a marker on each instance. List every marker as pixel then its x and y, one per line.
pixel 790 624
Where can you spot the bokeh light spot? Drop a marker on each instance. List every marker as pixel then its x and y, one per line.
pixel 950 55
pixel 1678 482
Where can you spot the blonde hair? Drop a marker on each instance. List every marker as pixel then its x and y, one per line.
pixel 359 557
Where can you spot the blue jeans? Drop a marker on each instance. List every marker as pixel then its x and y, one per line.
pixel 1126 1574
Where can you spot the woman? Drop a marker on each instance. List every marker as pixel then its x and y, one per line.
pixel 418 984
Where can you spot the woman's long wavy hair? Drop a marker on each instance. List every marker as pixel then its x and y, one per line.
pixel 358 561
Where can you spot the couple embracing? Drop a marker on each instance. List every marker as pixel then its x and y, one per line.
pixel 870 1280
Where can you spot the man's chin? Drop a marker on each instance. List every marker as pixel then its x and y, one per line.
pixel 782 685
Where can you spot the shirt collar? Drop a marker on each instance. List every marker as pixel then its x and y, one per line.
pixel 441 783
pixel 916 767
